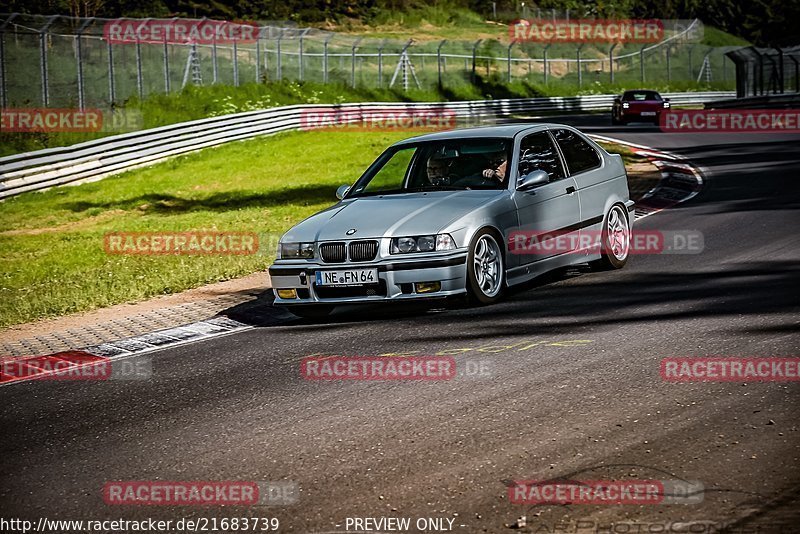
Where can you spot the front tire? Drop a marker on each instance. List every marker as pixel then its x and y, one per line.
pixel 485 268
pixel 616 240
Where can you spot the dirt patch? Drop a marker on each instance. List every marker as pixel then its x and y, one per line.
pixel 238 290
pixel 66 227
pixel 642 177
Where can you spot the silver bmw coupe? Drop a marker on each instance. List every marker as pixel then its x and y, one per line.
pixel 471 211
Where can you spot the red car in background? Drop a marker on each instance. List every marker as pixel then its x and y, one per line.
pixel 638 105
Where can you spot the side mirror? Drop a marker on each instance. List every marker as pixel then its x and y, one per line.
pixel 342 191
pixel 533 179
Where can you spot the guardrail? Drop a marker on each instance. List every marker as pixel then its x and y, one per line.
pixel 94 160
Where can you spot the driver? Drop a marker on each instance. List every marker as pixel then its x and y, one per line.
pixel 439 170
pixel 497 164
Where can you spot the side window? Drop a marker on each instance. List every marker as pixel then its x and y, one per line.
pixel 537 151
pixel 579 155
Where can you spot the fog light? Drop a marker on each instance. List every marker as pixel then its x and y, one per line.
pixel 287 293
pixel 427 287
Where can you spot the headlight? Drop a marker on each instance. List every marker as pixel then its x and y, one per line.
pixel 666 104
pixel 295 251
pixel 422 243
pixel 626 105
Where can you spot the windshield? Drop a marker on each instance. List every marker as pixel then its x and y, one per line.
pixel 438 165
pixel 641 96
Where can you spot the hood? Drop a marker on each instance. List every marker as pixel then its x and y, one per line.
pixel 396 215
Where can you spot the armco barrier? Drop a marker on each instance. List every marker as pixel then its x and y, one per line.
pixel 97 159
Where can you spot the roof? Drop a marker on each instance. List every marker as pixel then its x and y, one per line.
pixel 504 131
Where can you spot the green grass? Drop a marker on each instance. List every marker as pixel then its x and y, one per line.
pixel 52 259
pixel 425 23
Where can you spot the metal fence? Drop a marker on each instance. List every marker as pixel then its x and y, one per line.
pixel 67 62
pixel 766 71
pixel 96 159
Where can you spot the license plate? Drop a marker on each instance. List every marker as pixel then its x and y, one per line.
pixel 648 113
pixel 348 277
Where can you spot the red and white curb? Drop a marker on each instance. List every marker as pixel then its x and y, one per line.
pixel 79 364
pixel 680 180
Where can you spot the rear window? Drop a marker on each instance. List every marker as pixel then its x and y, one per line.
pixel 640 95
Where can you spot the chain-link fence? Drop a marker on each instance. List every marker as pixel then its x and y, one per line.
pixel 60 61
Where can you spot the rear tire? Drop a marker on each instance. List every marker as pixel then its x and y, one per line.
pixel 616 240
pixel 485 268
pixel 311 311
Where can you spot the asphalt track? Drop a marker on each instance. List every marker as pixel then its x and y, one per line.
pixel 573 390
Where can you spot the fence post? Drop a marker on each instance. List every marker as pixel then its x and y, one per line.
pixel 724 66
pixel 3 86
pixel 214 66
pixel 380 62
pixel 43 60
pixel 112 92
pixel 439 61
pixel 79 54
pixel 474 55
pixel 258 55
pixel 544 61
pixel 611 60
pixel 796 73
pixel 300 66
pixel 235 62
pixel 278 50
pixel 325 59
pixel 641 61
pixel 513 42
pixel 669 65
pixel 580 70
pixel 166 66
pixel 3 95
pixel 353 62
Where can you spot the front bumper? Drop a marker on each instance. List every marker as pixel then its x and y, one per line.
pixel 636 115
pixel 397 277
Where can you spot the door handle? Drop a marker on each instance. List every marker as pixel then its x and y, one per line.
pixel 570 190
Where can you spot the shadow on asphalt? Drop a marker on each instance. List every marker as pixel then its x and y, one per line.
pixel 549 304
